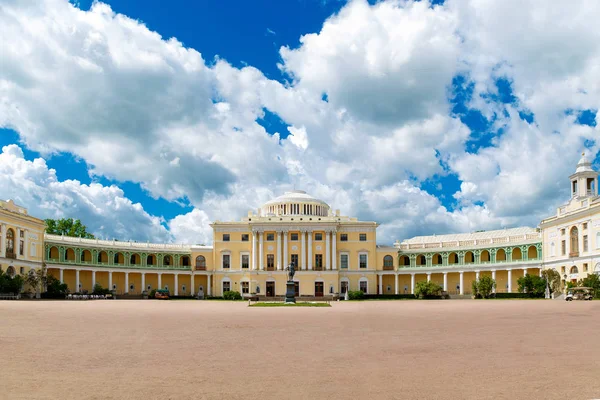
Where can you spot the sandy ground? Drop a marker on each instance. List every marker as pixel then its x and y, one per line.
pixel 219 350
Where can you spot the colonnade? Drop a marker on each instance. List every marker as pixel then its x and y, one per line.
pixel 461 286
pixel 159 275
pixel 306 251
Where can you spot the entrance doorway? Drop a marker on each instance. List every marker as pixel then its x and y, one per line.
pixel 344 287
pixel 270 289
pixel 318 289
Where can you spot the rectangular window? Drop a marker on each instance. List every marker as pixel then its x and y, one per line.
pixel 22 248
pixel 562 232
pixel 363 237
pixel 245 287
pixel 318 236
pixel 22 270
pixel 270 261
pixel 270 237
pixel 226 237
pixel 585 268
pixel 584 226
pixel 362 261
pixel 226 261
pixel 343 260
pixel 245 260
pixel 245 237
pixel 343 237
pixel 363 286
pixel 318 262
pixel 585 242
pixel 22 233
pixel 294 237
pixel 562 269
pixel 295 260
pixel 226 286
pixel 563 247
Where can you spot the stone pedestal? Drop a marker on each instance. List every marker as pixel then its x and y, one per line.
pixel 290 293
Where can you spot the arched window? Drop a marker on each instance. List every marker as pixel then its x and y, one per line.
pixel 54 253
pixel 150 259
pixel 167 260
pixel 388 262
pixel 574 241
pixel 200 263
pixel 185 261
pixel 118 258
pixel 484 256
pixel 532 253
pixel 421 260
pixel 437 259
pixel 10 241
pixel 517 254
pixel 574 270
pixel 10 271
pixel 469 257
pixel 453 258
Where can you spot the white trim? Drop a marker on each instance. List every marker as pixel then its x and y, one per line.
pixel 360 253
pixel 223 254
pixel 245 253
pixel 347 254
pixel 363 279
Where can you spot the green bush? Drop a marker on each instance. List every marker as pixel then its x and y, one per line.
pixel 428 290
pixel 11 285
pixel 532 284
pixel 152 294
pixel 592 281
pixel 98 289
pixel 55 289
pixel 232 295
pixel 483 287
pixel 388 296
pixel 356 295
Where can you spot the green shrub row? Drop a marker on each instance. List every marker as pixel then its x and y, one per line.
pixel 519 295
pixel 388 296
pixel 232 295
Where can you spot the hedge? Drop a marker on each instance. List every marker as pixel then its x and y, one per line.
pixel 519 296
pixel 388 296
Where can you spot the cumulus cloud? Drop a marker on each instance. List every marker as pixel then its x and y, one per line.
pixel 366 107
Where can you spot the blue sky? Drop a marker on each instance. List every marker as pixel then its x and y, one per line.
pixel 368 73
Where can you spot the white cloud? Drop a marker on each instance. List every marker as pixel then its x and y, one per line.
pixel 142 108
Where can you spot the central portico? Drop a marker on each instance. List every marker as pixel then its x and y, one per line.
pixel 326 248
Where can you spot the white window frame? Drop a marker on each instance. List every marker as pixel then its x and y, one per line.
pixel 347 254
pixel 225 279
pixel 242 286
pixel 552 249
pixel 223 254
pixel 363 253
pixel 242 254
pixel 364 280
pixel 344 279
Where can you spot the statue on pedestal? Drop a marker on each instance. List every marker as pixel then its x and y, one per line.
pixel 290 293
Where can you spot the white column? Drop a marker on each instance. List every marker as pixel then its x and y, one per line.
pixel 310 264
pixel 253 261
pixel 412 283
pixel 429 277
pixel 126 282
pixel 260 251
pixel 476 275
pixel 380 284
pixel 509 280
pixel 303 234
pixel 524 271
pixel 192 284
pixel 445 281
pixel 327 252
pixel 462 289
pixel 208 285
pixel 285 249
pixel 3 244
pixel 109 280
pixel 396 284
pixel 143 281
pixel 334 251
pixel 62 280
pixel 159 281
pixel 278 250
pixel 77 280
pixel 176 285
pixel 494 278
pixel 93 279
pixel 17 243
pixel 540 272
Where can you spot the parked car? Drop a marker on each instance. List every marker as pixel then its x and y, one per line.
pixel 580 293
pixel 162 294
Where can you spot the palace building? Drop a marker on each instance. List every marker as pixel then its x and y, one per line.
pixel 332 253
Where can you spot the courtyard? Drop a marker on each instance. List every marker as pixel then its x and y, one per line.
pixel 226 350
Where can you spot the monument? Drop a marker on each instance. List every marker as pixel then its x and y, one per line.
pixel 290 293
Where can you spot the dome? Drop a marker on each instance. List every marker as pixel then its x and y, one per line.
pixel 295 202
pixel 584 164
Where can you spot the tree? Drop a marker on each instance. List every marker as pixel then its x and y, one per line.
pixel 54 288
pixel 425 289
pixel 553 278
pixel 10 284
pixel 593 281
pixel 483 287
pixel 68 227
pixel 532 284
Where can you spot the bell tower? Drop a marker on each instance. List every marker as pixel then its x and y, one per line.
pixel 584 182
